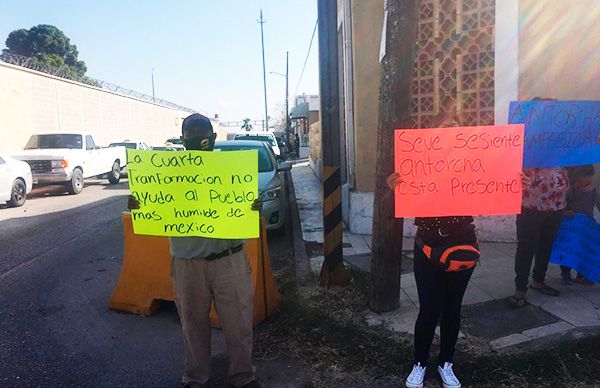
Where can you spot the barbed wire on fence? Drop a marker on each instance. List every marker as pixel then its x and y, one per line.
pixel 141 96
pixel 67 73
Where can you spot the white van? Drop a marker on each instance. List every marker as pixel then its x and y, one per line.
pixel 269 137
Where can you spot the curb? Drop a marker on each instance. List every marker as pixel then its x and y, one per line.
pixel 300 255
pixel 544 341
pixel 531 334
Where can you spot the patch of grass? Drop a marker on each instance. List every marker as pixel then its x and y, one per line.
pixel 326 329
pixel 575 363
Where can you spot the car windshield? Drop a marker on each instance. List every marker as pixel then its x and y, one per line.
pixel 267 138
pixel 265 164
pixel 131 146
pixel 54 141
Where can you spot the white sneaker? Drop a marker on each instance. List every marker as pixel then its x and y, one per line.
pixel 416 377
pixel 448 378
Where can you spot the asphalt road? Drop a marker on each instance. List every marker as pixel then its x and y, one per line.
pixel 60 257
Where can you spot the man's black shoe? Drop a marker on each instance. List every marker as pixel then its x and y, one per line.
pixel 252 384
pixel 196 385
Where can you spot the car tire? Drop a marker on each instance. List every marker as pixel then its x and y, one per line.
pixel 75 185
pixel 281 230
pixel 18 194
pixel 114 176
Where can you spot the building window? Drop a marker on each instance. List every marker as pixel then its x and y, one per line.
pixel 454 67
pixel 425 96
pixel 475 87
pixel 474 15
pixel 428 27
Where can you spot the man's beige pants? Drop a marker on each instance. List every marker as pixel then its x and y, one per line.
pixel 228 282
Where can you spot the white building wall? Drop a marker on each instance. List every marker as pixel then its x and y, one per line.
pixel 33 102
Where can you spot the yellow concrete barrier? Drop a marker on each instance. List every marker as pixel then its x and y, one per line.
pixel 145 277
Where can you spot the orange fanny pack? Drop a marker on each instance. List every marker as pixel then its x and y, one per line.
pixel 456 257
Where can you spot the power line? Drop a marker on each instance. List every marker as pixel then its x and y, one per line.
pixel 307 54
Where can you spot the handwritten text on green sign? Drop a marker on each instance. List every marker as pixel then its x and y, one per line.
pixel 194 193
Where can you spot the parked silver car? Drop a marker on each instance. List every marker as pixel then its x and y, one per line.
pixel 271 179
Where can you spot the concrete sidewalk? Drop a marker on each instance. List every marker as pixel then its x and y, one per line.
pixel 486 314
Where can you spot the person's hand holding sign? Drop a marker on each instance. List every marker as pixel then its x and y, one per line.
pixel 257 205
pixel 525 179
pixel 132 203
pixel 394 180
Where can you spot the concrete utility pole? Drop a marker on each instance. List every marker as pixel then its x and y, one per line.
pixel 394 113
pixel 333 271
pixel 287 96
pixel 261 21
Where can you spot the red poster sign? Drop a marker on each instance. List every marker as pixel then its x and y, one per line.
pixel 459 171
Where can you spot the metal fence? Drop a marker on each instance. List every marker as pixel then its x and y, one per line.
pixel 67 73
pixel 141 96
pixel 255 125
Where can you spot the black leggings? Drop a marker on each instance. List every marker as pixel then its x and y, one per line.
pixel 536 231
pixel 440 294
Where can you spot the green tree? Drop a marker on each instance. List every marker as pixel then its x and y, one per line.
pixel 47 44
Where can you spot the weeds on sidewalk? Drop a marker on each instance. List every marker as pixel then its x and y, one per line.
pixel 326 329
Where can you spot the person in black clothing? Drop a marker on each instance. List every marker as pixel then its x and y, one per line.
pixel 440 296
pixel 297 145
pixel 290 144
pixel 440 290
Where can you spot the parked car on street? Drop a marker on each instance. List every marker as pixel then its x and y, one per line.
pixel 163 148
pixel 176 147
pixel 260 136
pixel 271 179
pixel 174 140
pixel 15 181
pixel 132 145
pixel 69 158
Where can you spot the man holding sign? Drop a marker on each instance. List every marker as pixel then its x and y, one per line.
pixel 204 269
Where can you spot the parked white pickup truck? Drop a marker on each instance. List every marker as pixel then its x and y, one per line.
pixel 68 158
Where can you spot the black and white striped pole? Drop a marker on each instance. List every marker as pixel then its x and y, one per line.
pixel 333 272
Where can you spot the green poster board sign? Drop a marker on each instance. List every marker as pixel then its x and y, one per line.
pixel 194 193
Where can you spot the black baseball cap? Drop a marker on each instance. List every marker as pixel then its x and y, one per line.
pixel 197 121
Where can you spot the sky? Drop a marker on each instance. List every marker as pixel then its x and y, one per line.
pixel 206 54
